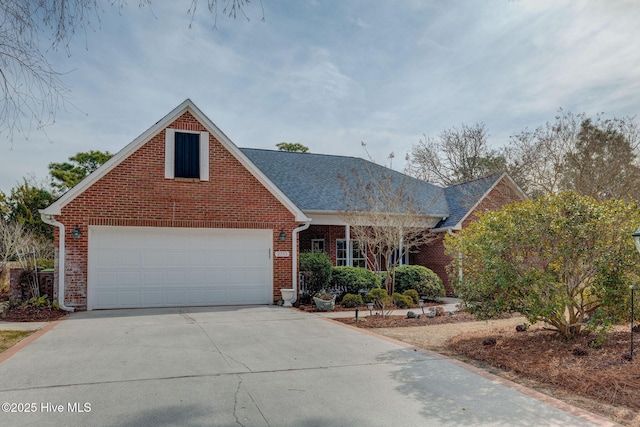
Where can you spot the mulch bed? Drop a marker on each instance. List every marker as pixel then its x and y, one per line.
pixel 402 321
pixel 312 308
pixel 31 313
pixel 604 374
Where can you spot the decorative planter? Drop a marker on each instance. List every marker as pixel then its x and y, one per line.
pixel 287 296
pixel 325 305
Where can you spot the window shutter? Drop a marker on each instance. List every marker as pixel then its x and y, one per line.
pixel 204 156
pixel 169 153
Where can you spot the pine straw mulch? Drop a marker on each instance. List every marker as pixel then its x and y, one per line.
pixel 376 321
pixel 604 374
pixel 363 309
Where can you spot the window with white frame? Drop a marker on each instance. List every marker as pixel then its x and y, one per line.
pixel 317 245
pixel 186 155
pixel 358 253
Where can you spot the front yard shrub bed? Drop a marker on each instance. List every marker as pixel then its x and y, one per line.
pixel 565 367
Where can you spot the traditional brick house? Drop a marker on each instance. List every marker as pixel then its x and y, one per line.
pixel 183 217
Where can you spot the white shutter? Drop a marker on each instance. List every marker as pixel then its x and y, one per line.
pixel 204 156
pixel 169 153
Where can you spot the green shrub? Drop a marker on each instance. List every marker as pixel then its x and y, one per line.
pixel 353 278
pixel 421 279
pixel 377 295
pixel 352 300
pixel 45 263
pixel 413 294
pixel 402 301
pixel 316 268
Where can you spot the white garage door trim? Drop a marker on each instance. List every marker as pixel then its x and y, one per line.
pixel 134 267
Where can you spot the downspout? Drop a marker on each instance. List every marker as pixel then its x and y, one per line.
pixel 294 257
pixel 50 219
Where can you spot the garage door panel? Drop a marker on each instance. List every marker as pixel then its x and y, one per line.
pixel 162 267
pixel 109 259
pixel 129 258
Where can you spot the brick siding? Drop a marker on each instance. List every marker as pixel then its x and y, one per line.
pixel 135 193
pixel 433 256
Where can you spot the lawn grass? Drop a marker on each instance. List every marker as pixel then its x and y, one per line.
pixel 9 338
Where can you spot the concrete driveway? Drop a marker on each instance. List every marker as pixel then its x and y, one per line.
pixel 245 366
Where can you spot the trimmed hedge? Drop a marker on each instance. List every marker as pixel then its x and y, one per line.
pixel 316 268
pixel 351 301
pixel 424 281
pixel 402 301
pixel 354 278
pixel 413 294
pixel 377 296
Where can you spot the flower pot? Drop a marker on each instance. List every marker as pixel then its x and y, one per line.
pixel 325 305
pixel 287 296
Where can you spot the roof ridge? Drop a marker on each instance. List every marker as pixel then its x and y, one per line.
pixel 476 179
pixel 307 153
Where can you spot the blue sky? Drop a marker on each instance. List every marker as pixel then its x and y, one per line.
pixel 330 74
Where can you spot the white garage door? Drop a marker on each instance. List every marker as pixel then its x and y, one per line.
pixel 167 267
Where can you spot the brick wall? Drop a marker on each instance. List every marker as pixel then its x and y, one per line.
pixel 433 255
pixel 19 289
pixel 135 193
pixel 330 233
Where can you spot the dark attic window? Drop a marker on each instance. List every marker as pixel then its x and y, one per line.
pixel 187 155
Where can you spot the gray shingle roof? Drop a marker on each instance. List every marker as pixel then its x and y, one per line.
pixel 461 198
pixel 315 182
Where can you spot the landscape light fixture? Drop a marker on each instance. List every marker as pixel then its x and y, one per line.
pixel 76 233
pixel 636 239
pixel 370 307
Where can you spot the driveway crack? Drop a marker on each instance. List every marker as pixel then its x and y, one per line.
pixel 235 404
pixel 224 355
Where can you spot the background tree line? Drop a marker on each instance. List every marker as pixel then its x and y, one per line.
pixel 21 228
pixel 592 156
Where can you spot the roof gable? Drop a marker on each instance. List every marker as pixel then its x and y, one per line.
pixel 465 197
pixel 184 107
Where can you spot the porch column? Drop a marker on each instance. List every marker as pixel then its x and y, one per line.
pixel 347 237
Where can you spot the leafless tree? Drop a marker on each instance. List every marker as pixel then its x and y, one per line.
pixel 595 157
pixel 384 214
pixel 455 156
pixel 33 90
pixel 12 234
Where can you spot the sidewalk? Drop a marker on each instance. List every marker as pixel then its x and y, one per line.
pixel 448 304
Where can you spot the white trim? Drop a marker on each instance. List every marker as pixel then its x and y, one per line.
pixel 515 186
pixel 169 153
pixel 186 106
pixel 336 218
pixel 204 156
pixel 170 150
pixel 318 240
pixel 294 264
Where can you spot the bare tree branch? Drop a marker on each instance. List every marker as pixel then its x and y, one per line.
pixel 385 215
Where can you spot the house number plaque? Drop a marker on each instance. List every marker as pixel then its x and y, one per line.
pixel 282 254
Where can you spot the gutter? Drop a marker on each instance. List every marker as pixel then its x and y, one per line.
pixel 50 219
pixel 294 257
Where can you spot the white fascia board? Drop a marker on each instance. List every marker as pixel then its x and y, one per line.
pixel 509 181
pixel 188 105
pixel 248 164
pixel 119 157
pixel 337 218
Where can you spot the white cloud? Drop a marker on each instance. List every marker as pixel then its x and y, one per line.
pixel 330 75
